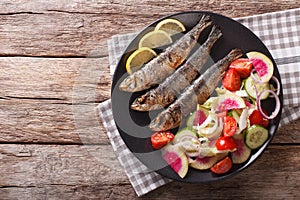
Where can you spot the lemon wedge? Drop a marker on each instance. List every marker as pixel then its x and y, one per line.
pixel 170 26
pixel 138 58
pixel 155 39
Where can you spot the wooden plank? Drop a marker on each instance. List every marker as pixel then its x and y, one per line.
pixel 76 80
pixel 75 28
pixel 40 122
pixel 55 103
pixel 132 7
pixel 74 192
pixel 60 171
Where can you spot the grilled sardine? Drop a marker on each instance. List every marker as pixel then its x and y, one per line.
pixel 165 64
pixel 166 92
pixel 199 92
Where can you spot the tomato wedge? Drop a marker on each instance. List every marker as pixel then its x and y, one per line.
pixel 232 80
pixel 257 118
pixel 243 66
pixel 222 166
pixel 230 126
pixel 161 138
pixel 225 143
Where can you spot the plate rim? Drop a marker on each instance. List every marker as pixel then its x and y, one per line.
pixel 260 151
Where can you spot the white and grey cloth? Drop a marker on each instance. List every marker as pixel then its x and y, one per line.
pixel 279 31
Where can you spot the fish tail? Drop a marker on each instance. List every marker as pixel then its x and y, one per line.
pixel 231 56
pixel 214 35
pixel 234 54
pixel 204 22
pixel 194 34
pixel 205 19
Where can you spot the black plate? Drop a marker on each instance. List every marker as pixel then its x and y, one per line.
pixel 133 125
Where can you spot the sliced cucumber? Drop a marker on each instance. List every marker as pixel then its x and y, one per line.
pixel 256 136
pixel 250 88
pixel 190 119
pixel 184 132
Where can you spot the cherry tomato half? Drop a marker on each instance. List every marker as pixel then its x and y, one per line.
pixel 225 143
pixel 257 118
pixel 232 80
pixel 222 166
pixel 243 66
pixel 230 126
pixel 161 138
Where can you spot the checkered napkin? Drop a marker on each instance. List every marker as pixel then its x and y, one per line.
pixel 280 32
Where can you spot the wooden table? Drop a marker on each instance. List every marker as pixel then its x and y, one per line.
pixel 53 73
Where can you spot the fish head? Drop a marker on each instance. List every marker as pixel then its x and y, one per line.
pixel 146 102
pixel 142 104
pixel 166 120
pixel 128 84
pixel 153 100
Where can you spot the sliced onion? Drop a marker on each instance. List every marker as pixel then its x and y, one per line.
pixel 241 93
pixel 206 152
pixel 277 107
pixel 192 154
pixel 205 123
pixel 277 84
pixel 218 130
pixel 261 82
pixel 243 120
pixel 213 131
pixel 188 146
pixel 190 137
pixel 210 130
pixel 255 79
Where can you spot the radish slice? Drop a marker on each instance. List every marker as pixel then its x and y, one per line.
pixel 228 101
pixel 262 64
pixel 277 107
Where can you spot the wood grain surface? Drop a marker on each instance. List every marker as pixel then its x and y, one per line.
pixel 54 71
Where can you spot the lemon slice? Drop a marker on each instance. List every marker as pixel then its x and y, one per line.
pixel 138 58
pixel 171 26
pixel 155 39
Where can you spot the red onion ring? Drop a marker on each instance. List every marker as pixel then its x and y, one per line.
pixel 261 82
pixel 277 84
pixel 277 107
pixel 255 79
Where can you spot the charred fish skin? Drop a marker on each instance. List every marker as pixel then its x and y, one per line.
pixel 166 92
pixel 165 64
pixel 201 89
